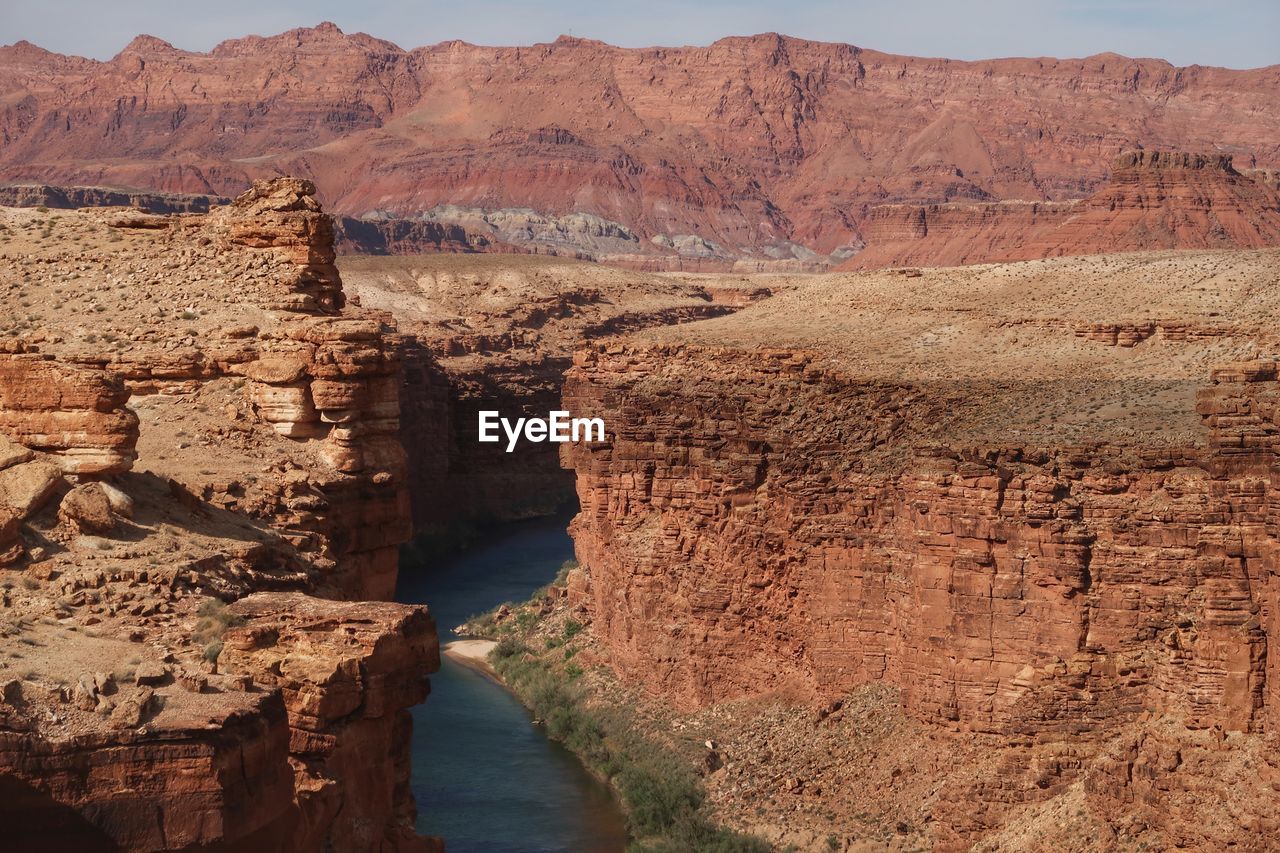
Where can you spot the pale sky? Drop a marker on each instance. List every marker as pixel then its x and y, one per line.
pixel 1234 33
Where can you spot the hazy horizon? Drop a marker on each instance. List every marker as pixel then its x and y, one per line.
pixel 1233 34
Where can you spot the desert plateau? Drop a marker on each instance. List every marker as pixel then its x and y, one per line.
pixel 932 503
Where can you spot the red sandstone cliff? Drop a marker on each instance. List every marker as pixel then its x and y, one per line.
pixel 1153 200
pixel 752 144
pixel 1062 551
pixel 734 549
pixel 199 457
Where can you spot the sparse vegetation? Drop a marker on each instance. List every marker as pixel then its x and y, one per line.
pixel 660 791
pixel 213 622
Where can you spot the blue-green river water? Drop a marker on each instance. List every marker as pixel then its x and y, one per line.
pixel 484 776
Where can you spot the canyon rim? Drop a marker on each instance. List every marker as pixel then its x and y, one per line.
pixel 919 421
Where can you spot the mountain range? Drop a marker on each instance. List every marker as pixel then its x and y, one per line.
pixel 763 147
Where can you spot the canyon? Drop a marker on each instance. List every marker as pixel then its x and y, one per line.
pixel 496 332
pixel 213 448
pixel 751 153
pixel 998 535
pixel 1007 516
pixel 936 503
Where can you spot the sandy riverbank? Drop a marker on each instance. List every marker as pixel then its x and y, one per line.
pixel 473 654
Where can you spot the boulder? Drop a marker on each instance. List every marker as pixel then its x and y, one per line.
pixel 25 487
pixel 87 509
pixel 130 711
pixel 151 674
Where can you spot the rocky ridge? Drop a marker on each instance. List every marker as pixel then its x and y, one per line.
pixel 71 198
pixel 763 148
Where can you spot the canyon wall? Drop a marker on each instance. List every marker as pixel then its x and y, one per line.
pixel 70 198
pixel 742 148
pixel 299 742
pixel 954 233
pixel 762 523
pixel 406 237
pixel 496 333
pixel 201 484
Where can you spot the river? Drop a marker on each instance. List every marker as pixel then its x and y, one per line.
pixel 484 776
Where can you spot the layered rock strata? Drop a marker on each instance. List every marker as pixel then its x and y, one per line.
pixel 283 214
pixel 348 673
pixel 70 198
pixel 1152 200
pixel 75 414
pixel 194 418
pixel 407 237
pixel 298 742
pixel 1004 556
pixel 953 233
pixel 651 140
pixel 1090 596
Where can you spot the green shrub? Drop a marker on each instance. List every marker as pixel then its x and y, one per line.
pixel 562 576
pixel 213 622
pixel 660 791
pixel 658 794
pixel 507 648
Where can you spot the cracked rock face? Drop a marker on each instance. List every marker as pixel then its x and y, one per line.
pixel 1063 549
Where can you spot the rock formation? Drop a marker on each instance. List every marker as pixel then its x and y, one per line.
pixel 70 198
pixel 1077 560
pixel 200 460
pixel 75 414
pixel 284 214
pixel 407 237
pixel 1167 200
pixel 298 742
pixel 1153 200
pixel 764 147
pixel 348 672
pixel 951 234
